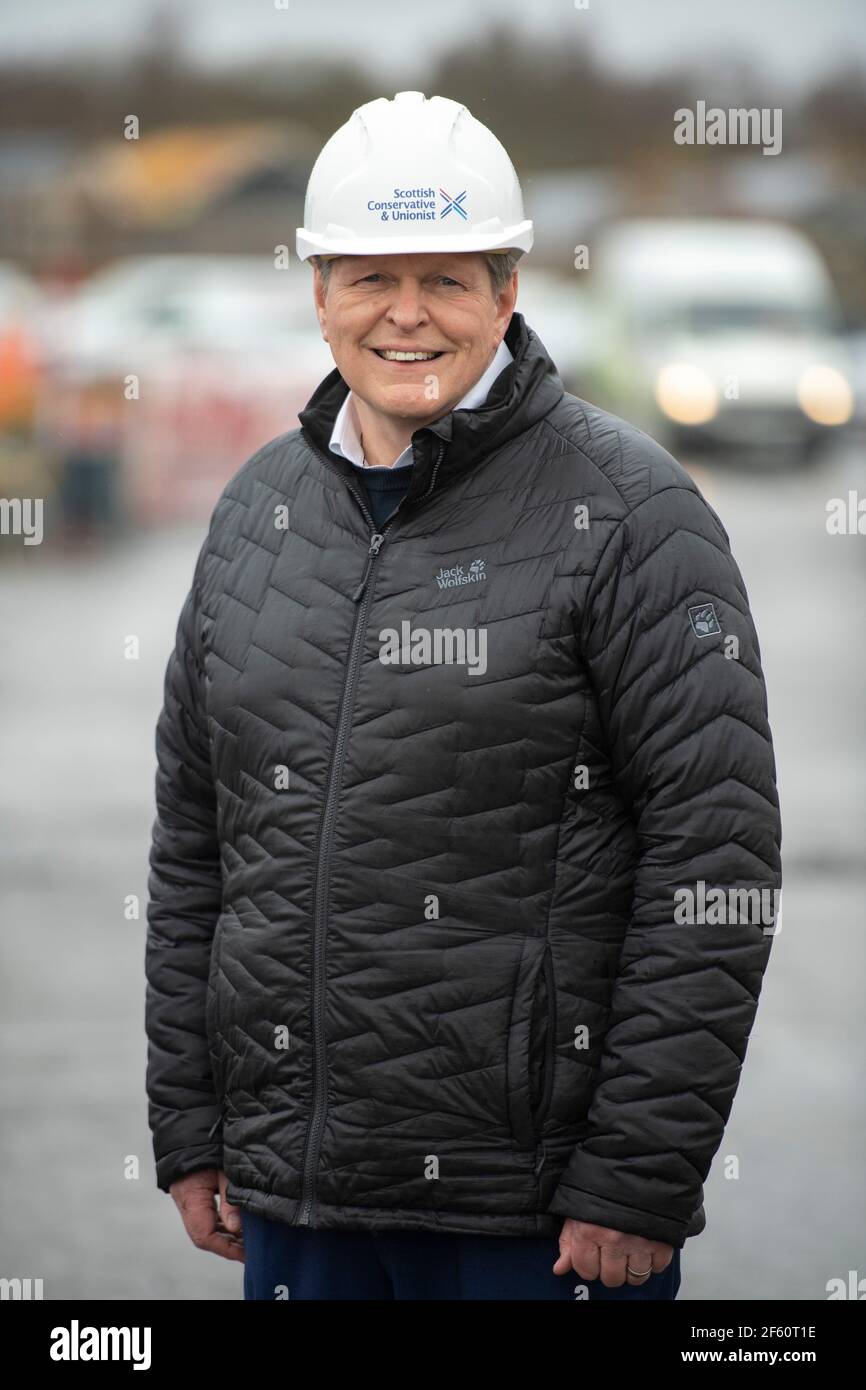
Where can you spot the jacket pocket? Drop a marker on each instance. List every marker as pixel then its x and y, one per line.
pixel 530 1057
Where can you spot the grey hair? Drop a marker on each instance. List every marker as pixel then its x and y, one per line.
pixel 500 264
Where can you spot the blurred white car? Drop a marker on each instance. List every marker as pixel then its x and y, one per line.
pixel 142 307
pixel 210 357
pixel 720 331
pixel 557 309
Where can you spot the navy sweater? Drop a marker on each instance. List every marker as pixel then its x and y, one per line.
pixel 385 487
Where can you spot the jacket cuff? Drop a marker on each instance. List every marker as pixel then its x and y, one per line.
pixel 587 1206
pixel 182 1161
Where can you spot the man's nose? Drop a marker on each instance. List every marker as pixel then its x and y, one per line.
pixel 407 308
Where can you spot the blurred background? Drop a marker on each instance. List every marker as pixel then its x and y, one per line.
pixel 153 335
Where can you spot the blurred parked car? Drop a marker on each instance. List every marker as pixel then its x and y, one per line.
pixel 143 305
pixel 855 344
pixel 557 309
pixel 720 332
pixel 211 355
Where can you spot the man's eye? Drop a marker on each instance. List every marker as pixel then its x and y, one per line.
pixel 377 275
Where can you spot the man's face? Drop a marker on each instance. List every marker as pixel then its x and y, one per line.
pixel 427 302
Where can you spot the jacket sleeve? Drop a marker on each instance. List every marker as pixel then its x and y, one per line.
pixel 683 705
pixel 184 901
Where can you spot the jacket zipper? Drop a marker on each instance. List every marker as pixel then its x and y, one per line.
pixel 361 596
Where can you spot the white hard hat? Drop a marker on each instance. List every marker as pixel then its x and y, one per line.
pixel 412 174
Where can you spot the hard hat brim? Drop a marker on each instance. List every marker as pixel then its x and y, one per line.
pixel 517 238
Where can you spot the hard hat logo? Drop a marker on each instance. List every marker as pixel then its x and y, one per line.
pixel 364 198
pixel 453 204
pixel 406 206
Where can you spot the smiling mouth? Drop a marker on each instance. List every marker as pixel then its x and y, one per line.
pixel 396 355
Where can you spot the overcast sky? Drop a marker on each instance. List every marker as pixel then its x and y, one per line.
pixel 792 40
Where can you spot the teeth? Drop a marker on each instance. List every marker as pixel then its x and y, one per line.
pixel 391 356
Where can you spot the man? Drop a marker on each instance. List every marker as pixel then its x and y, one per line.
pixel 465 710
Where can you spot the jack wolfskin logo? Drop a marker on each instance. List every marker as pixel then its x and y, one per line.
pixel 704 620
pixel 448 579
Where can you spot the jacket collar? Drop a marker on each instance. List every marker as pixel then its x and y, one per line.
pixel 526 390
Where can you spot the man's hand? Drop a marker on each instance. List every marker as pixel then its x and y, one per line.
pixel 209 1229
pixel 596 1252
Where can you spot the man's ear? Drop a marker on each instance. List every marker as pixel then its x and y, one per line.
pixel 505 302
pixel 319 299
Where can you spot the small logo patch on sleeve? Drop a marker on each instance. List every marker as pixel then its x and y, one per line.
pixel 704 620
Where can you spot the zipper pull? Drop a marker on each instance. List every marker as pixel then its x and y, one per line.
pixel 375 542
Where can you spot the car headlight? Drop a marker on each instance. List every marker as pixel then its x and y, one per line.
pixel 825 395
pixel 686 394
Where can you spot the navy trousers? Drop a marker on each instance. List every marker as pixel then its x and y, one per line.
pixel 295 1262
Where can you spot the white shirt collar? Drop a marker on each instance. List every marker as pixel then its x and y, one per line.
pixel 346 438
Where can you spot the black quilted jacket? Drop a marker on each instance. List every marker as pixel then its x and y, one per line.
pixel 424 799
